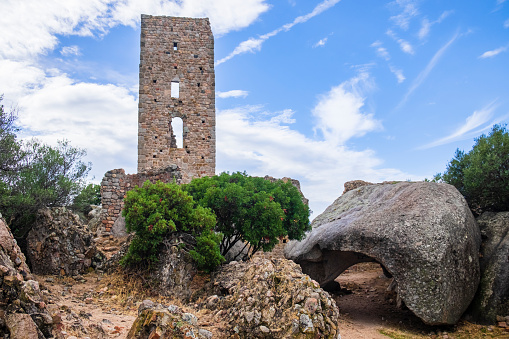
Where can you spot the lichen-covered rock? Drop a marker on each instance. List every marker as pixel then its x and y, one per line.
pixel 492 298
pixel 23 311
pixel 60 244
pixel 175 269
pixel 161 322
pixel 272 299
pixel 351 185
pixel 423 233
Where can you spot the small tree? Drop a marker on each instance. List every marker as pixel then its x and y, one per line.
pixel 482 175
pixel 90 195
pixel 251 210
pixel 154 211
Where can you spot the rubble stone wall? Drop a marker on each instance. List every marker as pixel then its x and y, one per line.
pixel 177 52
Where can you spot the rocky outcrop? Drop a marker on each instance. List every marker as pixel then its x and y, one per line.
pixel 294 182
pixel 492 298
pixel 159 321
pixel 351 185
pixel 272 299
pixel 175 269
pixel 422 233
pixel 23 312
pixel 58 243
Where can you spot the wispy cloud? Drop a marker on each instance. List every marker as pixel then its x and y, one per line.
pixel 321 42
pixel 410 10
pixel 492 53
pixel 500 2
pixel 236 93
pixel 506 23
pixel 403 44
pixel 398 73
pixel 426 24
pixel 471 125
pixel 70 50
pixel 253 45
pixel 425 72
pixel 380 50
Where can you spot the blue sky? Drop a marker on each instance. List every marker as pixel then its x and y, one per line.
pixel 321 91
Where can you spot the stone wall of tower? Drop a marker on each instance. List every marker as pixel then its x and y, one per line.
pixel 179 50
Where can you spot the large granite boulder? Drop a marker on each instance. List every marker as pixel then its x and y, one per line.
pixel 23 312
pixel 492 298
pixel 60 244
pixel 265 298
pixel 422 233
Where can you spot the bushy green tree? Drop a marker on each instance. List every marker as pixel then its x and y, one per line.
pixel 482 175
pixel 34 175
pixel 251 210
pixel 154 211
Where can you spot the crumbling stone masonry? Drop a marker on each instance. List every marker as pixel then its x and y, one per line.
pixel 177 81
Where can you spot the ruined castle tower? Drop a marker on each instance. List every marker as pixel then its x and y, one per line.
pixel 176 112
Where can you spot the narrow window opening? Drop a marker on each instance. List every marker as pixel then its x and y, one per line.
pixel 155 137
pixel 175 67
pixel 177 133
pixel 175 89
pixel 175 46
pixel 153 156
pixel 198 84
pixel 154 81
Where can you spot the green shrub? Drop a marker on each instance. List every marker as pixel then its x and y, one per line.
pixel 251 210
pixel 154 211
pixel 482 175
pixel 91 195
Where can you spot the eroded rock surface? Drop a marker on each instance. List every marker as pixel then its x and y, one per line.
pixel 272 299
pixel 492 298
pixel 59 243
pixel 423 233
pixel 159 321
pixel 23 311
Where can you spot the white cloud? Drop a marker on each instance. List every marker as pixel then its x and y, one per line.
pixel 339 115
pixel 506 23
pixel 266 146
pixel 425 72
pixel 475 120
pixel 403 44
pixel 32 25
pixel 380 50
pixel 500 2
pixel 321 42
pixel 492 53
pixel 425 28
pixel 70 50
pixel 253 45
pixel 426 24
pixel 410 10
pixel 236 93
pixel 398 73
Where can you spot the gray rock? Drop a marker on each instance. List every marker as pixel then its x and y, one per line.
pixel 423 234
pixel 118 230
pixel 492 298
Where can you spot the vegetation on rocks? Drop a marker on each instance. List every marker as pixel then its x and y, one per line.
pixel 251 210
pixel 482 175
pixel 35 175
pixel 155 211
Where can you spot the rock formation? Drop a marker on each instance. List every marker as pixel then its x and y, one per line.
pixel 58 243
pixel 272 299
pixel 159 321
pixel 422 233
pixel 23 312
pixel 492 298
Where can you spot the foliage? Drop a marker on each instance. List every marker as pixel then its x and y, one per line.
pixel 50 176
pixel 154 211
pixel 90 195
pixel 34 175
pixel 252 210
pixel 482 175
pixel 207 254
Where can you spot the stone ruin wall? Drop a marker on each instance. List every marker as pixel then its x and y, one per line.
pixel 116 184
pixel 178 50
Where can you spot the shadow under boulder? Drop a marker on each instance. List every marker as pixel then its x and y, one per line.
pixel 422 233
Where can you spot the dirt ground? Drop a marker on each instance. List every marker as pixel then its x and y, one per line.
pixel 101 306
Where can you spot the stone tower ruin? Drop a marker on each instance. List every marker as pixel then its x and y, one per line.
pixel 177 82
